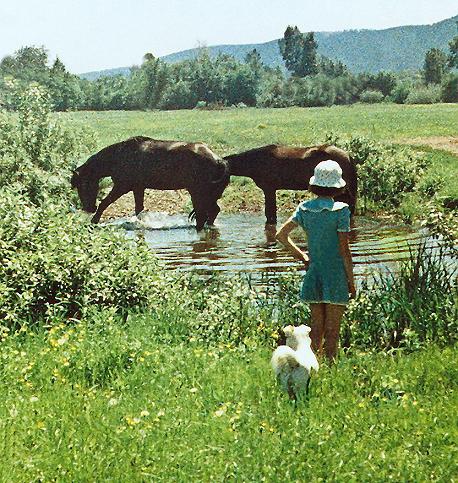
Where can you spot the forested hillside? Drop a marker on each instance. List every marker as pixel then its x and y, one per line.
pixel 394 49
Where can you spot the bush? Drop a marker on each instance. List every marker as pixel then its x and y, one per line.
pixel 407 309
pixel 179 95
pixel 37 152
pixel 316 91
pixel 424 95
pixel 385 172
pixel 449 88
pixel 401 92
pixel 370 96
pixel 53 264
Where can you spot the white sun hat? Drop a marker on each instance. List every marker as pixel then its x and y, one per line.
pixel 328 174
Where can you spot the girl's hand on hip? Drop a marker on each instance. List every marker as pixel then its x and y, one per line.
pixel 305 260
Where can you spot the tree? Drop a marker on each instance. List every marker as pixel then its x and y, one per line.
pixel 299 52
pixel 309 61
pixel 435 66
pixel 58 67
pixel 384 82
pixel 254 62
pixel 291 48
pixel 449 89
pixel 331 68
pixel 154 78
pixel 207 76
pixel 453 56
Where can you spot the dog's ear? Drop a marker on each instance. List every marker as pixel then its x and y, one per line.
pixel 288 330
pixel 307 329
pixel 281 340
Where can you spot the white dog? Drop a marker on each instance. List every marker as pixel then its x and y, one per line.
pixel 293 362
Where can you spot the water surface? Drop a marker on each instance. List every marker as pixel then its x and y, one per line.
pixel 242 243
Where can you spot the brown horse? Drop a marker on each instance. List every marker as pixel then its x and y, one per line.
pixel 141 162
pixel 277 167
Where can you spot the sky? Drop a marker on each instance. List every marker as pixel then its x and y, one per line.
pixel 92 35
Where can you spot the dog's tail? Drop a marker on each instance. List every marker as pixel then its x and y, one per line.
pixel 284 358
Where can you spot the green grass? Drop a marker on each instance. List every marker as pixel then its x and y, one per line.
pixel 233 130
pixel 184 391
pixel 106 402
pixel 229 131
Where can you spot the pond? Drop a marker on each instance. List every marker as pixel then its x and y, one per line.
pixel 242 243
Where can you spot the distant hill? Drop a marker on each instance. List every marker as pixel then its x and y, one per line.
pixel 394 49
pixel 105 73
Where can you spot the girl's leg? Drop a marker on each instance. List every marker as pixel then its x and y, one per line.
pixel 317 326
pixel 333 317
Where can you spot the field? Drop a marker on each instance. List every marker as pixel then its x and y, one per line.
pixel 111 402
pixel 113 369
pixel 228 131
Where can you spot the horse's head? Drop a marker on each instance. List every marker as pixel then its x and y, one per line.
pixel 87 190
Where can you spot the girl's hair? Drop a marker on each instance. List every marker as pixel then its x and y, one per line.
pixel 325 191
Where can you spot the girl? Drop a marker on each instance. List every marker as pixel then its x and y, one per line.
pixel 329 278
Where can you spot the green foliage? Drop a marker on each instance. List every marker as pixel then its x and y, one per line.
pixel 30 65
pixel 449 88
pixel 385 172
pixel 299 52
pixel 371 96
pixel 435 66
pixel 331 68
pixel 111 93
pixel 453 53
pixel 400 93
pixel 37 152
pixel 443 226
pixel 424 95
pixel 409 308
pixel 179 95
pixel 153 77
pixel 385 82
pixel 53 264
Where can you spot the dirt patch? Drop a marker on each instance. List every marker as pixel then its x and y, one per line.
pixel 447 143
pixel 171 202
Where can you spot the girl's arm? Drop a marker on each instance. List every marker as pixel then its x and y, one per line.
pixel 282 236
pixel 344 248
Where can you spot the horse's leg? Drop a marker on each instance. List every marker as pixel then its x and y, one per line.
pixel 270 196
pixel 213 212
pixel 112 196
pixel 200 210
pixel 139 196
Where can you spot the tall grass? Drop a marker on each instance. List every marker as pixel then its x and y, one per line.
pixel 109 401
pixel 415 305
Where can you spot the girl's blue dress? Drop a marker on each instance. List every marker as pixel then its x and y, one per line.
pixel 325 280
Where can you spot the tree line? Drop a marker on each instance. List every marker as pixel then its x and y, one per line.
pixel 205 82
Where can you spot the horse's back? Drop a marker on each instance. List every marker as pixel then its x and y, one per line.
pixel 165 164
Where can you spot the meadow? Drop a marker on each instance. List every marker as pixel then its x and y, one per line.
pixel 113 369
pixel 106 401
pixel 233 130
pixel 229 130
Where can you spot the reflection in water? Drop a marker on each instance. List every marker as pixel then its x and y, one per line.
pixel 242 243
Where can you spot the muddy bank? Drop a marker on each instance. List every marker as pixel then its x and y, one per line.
pixel 446 143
